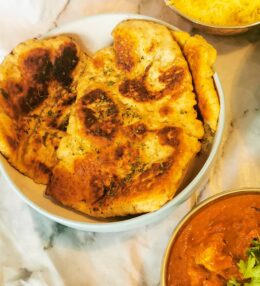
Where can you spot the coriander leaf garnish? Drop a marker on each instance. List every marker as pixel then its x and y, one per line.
pixel 254 250
pixel 233 282
pixel 250 269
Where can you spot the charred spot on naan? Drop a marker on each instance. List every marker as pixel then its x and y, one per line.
pixel 37 66
pixel 136 130
pixel 172 80
pixel 65 61
pixel 34 97
pixel 126 54
pixel 169 136
pixel 98 113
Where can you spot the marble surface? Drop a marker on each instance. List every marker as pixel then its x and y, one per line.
pixel 37 251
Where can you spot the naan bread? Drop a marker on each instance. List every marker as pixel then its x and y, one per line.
pixel 133 130
pixel 36 91
pixel 201 56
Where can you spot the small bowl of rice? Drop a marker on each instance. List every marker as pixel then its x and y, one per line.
pixel 219 17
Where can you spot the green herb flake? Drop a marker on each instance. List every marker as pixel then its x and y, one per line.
pixel 250 269
pixel 50 113
pixel 233 282
pixel 110 83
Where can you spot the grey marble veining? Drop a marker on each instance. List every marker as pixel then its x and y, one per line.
pixel 37 251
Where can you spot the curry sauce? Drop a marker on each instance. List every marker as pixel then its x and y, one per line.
pixel 209 246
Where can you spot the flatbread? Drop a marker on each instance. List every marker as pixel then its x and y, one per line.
pixel 201 56
pixel 133 130
pixel 36 91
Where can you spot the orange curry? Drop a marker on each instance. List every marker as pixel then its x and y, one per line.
pixel 209 246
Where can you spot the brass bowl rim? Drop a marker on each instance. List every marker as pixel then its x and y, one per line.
pixel 209 201
pixel 206 25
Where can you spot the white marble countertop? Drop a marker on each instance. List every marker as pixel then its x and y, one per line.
pixel 37 251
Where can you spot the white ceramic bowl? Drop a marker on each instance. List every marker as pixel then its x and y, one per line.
pixel 94 33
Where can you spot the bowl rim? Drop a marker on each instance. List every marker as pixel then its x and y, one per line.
pixel 143 219
pixel 192 213
pixel 217 27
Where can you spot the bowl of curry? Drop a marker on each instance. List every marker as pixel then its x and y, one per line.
pixel 217 243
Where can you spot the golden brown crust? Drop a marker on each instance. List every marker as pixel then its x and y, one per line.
pixel 133 129
pixel 36 92
pixel 201 57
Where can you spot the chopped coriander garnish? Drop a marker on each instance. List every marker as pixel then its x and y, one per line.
pixel 250 269
pixel 233 282
pixel 254 250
